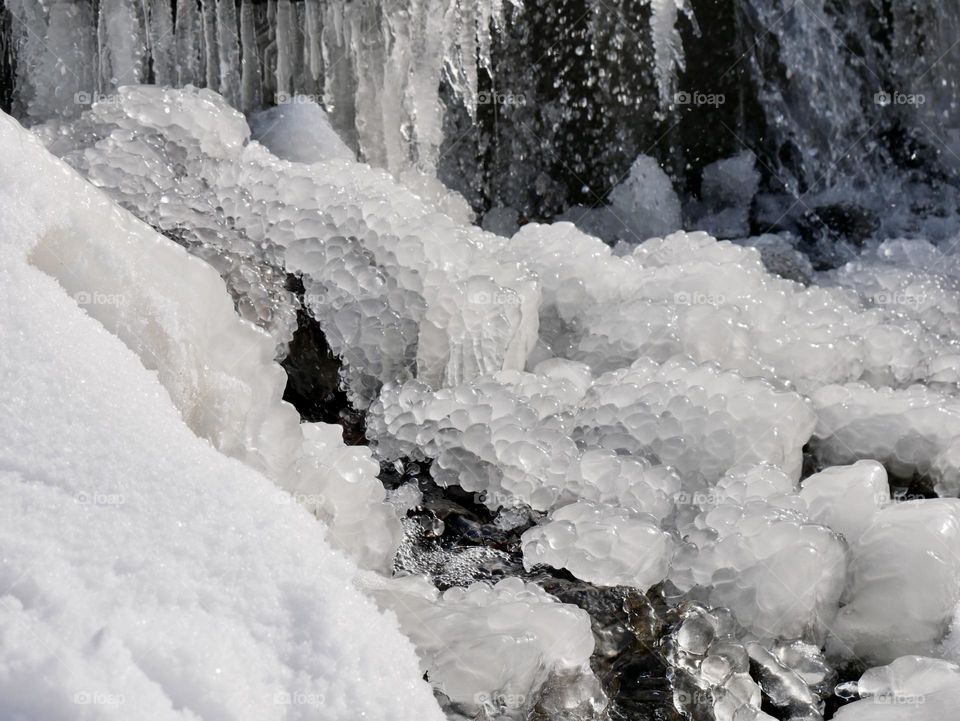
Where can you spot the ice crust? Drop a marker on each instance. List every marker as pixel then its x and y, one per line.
pixel 145 574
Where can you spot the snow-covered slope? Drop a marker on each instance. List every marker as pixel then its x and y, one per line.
pixel 143 573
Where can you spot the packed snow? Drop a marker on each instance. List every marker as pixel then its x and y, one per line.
pixel 145 573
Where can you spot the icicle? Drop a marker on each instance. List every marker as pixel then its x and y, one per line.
pixel 229 51
pixel 121 44
pixel 339 85
pixel 211 55
pixel 314 29
pixel 667 46
pixel 160 37
pixel 29 31
pixel 251 79
pixel 286 47
pixel 64 76
pixel 188 33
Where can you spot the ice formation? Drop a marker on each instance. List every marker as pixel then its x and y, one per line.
pixel 392 317
pixel 914 687
pixel 913 431
pixel 753 549
pixel 602 544
pixel 492 647
pixel 847 498
pixel 147 575
pixel 643 205
pixel 651 409
pixel 904 583
pixel 715 671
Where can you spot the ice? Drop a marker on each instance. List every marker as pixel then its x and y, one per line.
pixel 521 437
pixel 904 582
pixel 493 647
pixel 698 419
pixel 299 130
pixel 912 431
pixel 913 687
pixel 727 190
pixel 714 301
pixel 731 182
pixel 780 256
pixel 602 544
pixel 779 574
pixel 643 205
pixel 146 574
pixel 667 46
pixel 219 372
pixel 379 265
pixel 712 668
pixel 846 498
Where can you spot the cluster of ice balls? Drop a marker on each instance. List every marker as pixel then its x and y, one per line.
pixel 534 438
pixel 696 418
pixel 399 288
pixel 719 676
pixel 714 301
pixel 602 544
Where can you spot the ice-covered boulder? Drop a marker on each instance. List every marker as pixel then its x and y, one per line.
pixel 904 582
pixel 299 130
pixel 847 498
pixel 524 438
pixel 696 418
pixel 492 646
pixel 779 573
pixel 714 301
pixel 602 544
pixel 145 574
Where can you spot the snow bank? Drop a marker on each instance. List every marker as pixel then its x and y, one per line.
pixel 144 573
